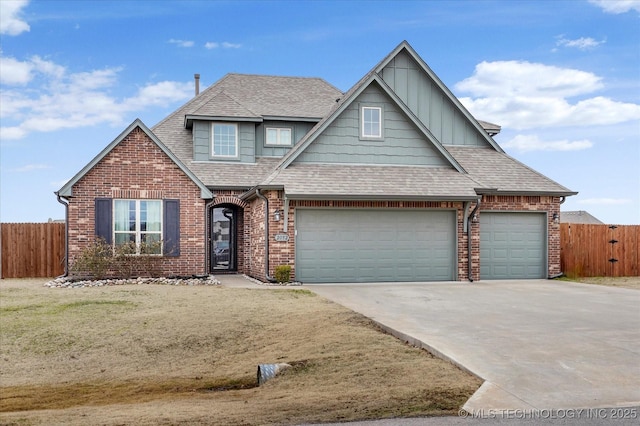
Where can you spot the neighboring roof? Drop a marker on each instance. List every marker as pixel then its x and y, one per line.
pixel 579 216
pixel 498 173
pixel 336 181
pixel 492 129
pixel 67 189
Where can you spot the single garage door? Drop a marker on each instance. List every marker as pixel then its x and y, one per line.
pixel 513 245
pixel 343 245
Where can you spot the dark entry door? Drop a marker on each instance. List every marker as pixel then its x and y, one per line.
pixel 223 239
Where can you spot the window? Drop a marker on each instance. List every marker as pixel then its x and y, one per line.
pixel 278 136
pixel 224 140
pixel 371 122
pixel 139 223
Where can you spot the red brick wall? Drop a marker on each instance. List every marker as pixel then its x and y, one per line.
pixel 551 205
pixel 282 253
pixel 137 169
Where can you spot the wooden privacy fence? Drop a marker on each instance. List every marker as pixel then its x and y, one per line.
pixel 599 250
pixel 32 250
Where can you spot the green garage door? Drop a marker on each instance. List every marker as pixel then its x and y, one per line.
pixel 513 245
pixel 343 245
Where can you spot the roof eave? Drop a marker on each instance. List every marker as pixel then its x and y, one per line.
pixel 380 197
pixel 494 191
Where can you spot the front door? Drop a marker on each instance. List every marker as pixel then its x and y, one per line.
pixel 223 239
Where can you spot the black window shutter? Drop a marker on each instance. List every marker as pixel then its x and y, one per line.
pixel 171 229
pixel 104 219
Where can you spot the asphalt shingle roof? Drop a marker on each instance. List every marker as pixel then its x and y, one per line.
pixel 497 170
pixel 399 182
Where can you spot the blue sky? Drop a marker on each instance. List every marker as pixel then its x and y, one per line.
pixel 561 77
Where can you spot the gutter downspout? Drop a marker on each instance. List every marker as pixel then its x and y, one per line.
pixel 66 235
pixel 469 222
pixel 266 236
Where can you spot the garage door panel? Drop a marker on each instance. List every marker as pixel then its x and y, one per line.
pixel 512 245
pixel 377 245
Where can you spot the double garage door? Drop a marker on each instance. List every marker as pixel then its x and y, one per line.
pixel 513 245
pixel 342 245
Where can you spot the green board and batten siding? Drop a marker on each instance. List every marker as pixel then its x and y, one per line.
pixel 298 130
pixel 513 245
pixel 377 245
pixel 202 142
pixel 429 103
pixel 402 143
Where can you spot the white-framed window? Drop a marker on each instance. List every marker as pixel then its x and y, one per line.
pixel 278 136
pixel 138 223
pixel 371 122
pixel 224 140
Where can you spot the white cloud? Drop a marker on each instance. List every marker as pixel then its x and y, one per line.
pixel 224 45
pixel 582 43
pixel 521 78
pixel 30 167
pixel 228 45
pixel 11 23
pixel 15 72
pixel 617 6
pixel 57 99
pixel 181 43
pixel 524 95
pixel 605 201
pixel 526 143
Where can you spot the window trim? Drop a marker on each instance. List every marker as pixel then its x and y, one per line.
pixel 278 130
pixel 212 142
pixel 138 232
pixel 380 134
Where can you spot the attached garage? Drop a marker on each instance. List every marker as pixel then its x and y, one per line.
pixel 513 245
pixel 377 245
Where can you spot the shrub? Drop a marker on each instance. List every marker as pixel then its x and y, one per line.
pixel 99 260
pixel 283 273
pixel 94 261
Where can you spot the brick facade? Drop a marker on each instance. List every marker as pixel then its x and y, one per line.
pixel 137 168
pixel 283 253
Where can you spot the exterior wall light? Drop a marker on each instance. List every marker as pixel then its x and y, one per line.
pixel 556 217
pixel 276 215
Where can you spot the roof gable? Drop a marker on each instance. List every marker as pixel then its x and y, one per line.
pixel 403 143
pixel 346 102
pixel 431 100
pixel 67 189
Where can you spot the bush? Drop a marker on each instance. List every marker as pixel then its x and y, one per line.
pixel 94 261
pixel 283 273
pixel 99 260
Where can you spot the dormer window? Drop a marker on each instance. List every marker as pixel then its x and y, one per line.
pixel 278 136
pixel 371 122
pixel 224 140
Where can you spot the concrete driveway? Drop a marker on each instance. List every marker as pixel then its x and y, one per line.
pixel 538 344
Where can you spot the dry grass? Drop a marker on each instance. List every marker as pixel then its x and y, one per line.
pixel 189 355
pixel 624 282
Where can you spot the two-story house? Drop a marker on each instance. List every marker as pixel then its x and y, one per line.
pixel 392 181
